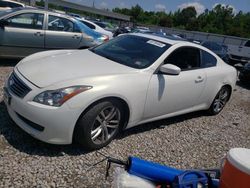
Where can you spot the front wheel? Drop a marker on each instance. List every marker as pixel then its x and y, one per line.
pixel 220 101
pixel 99 125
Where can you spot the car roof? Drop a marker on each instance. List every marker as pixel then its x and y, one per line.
pixel 20 9
pixel 165 39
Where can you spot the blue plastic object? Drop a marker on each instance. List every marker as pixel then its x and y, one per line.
pixel 164 174
pixel 190 179
pixel 152 171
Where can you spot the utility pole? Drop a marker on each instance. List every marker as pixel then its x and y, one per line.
pixel 46 4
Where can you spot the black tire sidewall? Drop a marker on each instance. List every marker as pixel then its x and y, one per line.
pixel 211 108
pixel 82 133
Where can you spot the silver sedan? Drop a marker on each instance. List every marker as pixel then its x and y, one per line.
pixel 24 31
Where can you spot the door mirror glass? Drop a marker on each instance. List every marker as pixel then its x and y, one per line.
pixel 170 69
pixel 3 23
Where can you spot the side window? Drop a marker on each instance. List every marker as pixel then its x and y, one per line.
pixel 185 57
pixel 26 20
pixel 207 59
pixel 60 24
pixel 247 44
pixel 91 26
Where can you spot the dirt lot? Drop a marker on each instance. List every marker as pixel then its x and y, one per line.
pixel 190 141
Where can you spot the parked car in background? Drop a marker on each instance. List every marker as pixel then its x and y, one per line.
pixel 97 28
pixel 121 30
pixel 90 95
pixel 240 54
pixel 74 15
pixel 220 50
pixel 244 75
pixel 98 37
pixel 24 31
pixel 105 25
pixel 7 4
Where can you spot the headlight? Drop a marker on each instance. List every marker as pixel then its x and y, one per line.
pixel 60 96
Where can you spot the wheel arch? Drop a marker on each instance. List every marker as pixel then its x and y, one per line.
pixel 122 101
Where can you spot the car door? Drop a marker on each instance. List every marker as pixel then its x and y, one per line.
pixel 62 33
pixel 175 93
pixel 23 34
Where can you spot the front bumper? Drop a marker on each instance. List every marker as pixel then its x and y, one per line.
pixel 239 59
pixel 56 123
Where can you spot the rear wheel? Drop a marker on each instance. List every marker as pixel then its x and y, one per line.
pixel 99 125
pixel 220 101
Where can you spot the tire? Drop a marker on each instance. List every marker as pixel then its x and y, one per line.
pixel 220 101
pixel 99 125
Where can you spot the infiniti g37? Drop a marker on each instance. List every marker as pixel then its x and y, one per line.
pixel 90 95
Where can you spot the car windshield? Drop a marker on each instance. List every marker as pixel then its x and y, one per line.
pixel 87 30
pixel 133 51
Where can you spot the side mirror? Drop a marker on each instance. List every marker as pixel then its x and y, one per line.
pixel 3 23
pixel 170 69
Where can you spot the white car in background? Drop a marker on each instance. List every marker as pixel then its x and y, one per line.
pixel 240 54
pixel 90 95
pixel 97 28
pixel 7 4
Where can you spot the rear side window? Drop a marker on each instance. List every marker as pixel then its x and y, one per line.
pixel 207 59
pixel 27 21
pixel 60 24
pixel 91 26
pixel 186 58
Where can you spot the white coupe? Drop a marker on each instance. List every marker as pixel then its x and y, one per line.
pixel 90 95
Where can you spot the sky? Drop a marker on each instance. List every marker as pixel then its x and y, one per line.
pixel 167 5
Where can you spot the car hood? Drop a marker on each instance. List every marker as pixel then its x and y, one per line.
pixel 47 68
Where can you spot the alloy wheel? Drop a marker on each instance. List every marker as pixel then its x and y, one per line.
pixel 220 100
pixel 105 125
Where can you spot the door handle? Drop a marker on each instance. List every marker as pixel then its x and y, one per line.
pixel 199 79
pixel 39 34
pixel 75 37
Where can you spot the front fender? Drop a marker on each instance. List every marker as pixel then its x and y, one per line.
pixel 131 88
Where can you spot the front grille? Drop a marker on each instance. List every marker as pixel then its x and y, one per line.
pixel 17 86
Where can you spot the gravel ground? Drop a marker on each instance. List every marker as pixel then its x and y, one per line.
pixel 189 141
